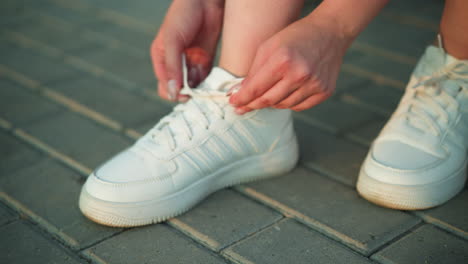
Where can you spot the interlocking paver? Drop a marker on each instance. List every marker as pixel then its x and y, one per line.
pixel 37 66
pixel 115 102
pixel 6 215
pixel 379 97
pixel 134 67
pixel 151 244
pixel 451 215
pixel 338 158
pixel 427 244
pixel 20 106
pixel 290 242
pixel 21 244
pixel 222 217
pixel 78 137
pixel 336 116
pixel 14 154
pixel 358 223
pixel 50 193
pixel 348 82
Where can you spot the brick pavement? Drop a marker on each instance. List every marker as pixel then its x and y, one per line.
pixel 71 74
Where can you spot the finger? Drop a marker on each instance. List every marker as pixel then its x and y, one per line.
pixel 280 91
pixel 257 84
pixel 296 97
pixel 311 102
pixel 173 63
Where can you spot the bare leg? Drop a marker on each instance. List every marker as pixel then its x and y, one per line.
pixel 247 24
pixel 454 28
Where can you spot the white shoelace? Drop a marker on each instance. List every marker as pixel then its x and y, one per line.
pixel 433 100
pixel 207 104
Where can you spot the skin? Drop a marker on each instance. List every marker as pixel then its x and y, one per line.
pixel 287 63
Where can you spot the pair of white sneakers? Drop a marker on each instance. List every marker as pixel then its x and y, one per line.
pixel 418 160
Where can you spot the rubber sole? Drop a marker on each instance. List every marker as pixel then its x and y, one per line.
pixel 411 197
pixel 253 168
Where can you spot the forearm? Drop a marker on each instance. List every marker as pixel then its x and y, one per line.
pixel 348 17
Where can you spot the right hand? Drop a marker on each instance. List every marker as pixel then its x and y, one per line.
pixel 189 25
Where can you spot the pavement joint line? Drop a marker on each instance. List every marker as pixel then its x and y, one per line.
pixel 279 220
pixel 189 231
pixel 5 125
pixel 307 221
pixel 352 69
pixel 312 166
pixel 61 99
pixel 57 155
pixel 234 257
pixel 94 258
pixel 42 223
pixel 405 19
pixel 442 225
pixel 376 77
pixel 390 55
pixel 396 238
pixel 351 99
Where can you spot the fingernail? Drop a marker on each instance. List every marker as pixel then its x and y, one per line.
pixel 240 111
pixel 183 99
pixel 171 90
pixel 233 90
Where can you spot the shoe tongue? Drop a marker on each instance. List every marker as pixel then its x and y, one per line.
pixel 217 78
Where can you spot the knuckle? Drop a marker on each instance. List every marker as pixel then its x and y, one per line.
pixel 285 57
pixel 302 72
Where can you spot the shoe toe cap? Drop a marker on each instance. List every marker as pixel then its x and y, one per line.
pixel 129 178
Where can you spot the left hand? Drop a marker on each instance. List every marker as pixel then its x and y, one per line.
pixel 297 68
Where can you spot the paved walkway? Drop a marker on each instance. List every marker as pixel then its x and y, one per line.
pixel 76 86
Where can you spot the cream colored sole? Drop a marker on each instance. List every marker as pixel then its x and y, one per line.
pixel 411 197
pixel 252 168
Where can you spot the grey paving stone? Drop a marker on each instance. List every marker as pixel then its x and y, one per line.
pixel 336 157
pixel 337 116
pixel 452 215
pixel 227 216
pixel 34 65
pixel 386 33
pixel 290 242
pixel 115 102
pixel 6 215
pixel 365 226
pixel 427 244
pixel 21 244
pixel 15 154
pixel 79 138
pixel 380 97
pixel 430 11
pixel 19 106
pixel 50 31
pixel 136 38
pixel 348 82
pixel 51 191
pixel 146 11
pixel 127 65
pixel 366 133
pixel 151 244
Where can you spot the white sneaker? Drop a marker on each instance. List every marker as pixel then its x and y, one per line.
pixel 419 160
pixel 199 148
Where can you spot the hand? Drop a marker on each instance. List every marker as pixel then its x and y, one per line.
pixel 296 68
pixel 193 27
